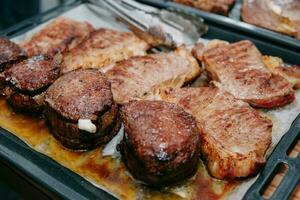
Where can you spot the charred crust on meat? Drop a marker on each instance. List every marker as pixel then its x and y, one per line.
pixel 81 94
pixel 27 80
pixel 161 142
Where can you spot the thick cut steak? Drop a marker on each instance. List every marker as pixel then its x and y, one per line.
pixel 234 137
pixel 278 15
pixel 142 76
pixel 238 68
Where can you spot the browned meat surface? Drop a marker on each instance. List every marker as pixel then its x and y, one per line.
pixel 9 52
pixel 103 47
pixel 277 66
pixel 142 76
pixel 277 15
pixel 161 142
pixel 238 69
pixel 215 6
pixel 234 137
pixel 27 80
pixel 81 95
pixel 63 33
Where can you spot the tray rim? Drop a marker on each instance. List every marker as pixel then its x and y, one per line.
pixel 238 25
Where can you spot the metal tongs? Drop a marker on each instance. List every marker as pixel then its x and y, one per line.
pixel 156 26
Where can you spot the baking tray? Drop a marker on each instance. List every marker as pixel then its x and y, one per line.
pixel 59 182
pixel 268 39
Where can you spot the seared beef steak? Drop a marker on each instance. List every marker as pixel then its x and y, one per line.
pixel 216 6
pixel 161 142
pixel 80 111
pixel 238 69
pixel 234 137
pixel 142 76
pixel 278 15
pixel 9 52
pixel 27 80
pixel 103 47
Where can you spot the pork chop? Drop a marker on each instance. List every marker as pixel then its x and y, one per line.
pixel 60 34
pixel 142 76
pixel 277 15
pixel 103 47
pixel 238 69
pixel 234 136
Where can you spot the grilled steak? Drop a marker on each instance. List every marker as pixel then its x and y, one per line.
pixel 9 53
pixel 103 47
pixel 61 34
pixel 161 142
pixel 238 69
pixel 217 6
pixel 277 15
pixel 141 76
pixel 27 80
pixel 234 137
pixel 80 111
pixel 277 66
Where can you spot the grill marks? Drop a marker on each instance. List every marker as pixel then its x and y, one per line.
pixel 103 47
pixel 239 69
pixel 234 137
pixel 61 34
pixel 142 76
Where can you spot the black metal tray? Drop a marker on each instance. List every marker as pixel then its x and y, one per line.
pixel 233 24
pixel 59 182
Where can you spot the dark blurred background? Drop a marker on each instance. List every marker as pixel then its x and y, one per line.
pixel 14 11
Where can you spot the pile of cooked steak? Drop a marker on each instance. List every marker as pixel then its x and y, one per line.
pixel 166 127
pixel 217 6
pixel 80 110
pixel 233 136
pixel 280 16
pixel 238 69
pixel 161 142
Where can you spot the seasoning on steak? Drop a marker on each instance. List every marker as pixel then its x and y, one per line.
pixel 234 137
pixel 59 35
pixel 277 15
pixel 80 111
pixel 9 53
pixel 217 6
pixel 142 76
pixel 27 80
pixel 238 69
pixel 103 47
pixel 161 142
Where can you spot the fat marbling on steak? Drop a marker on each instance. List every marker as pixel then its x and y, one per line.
pixel 234 137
